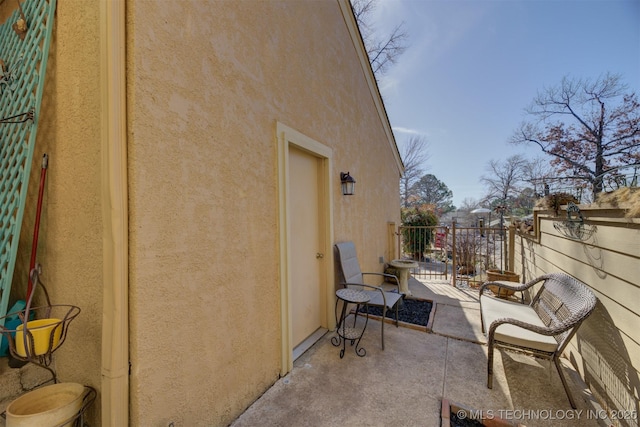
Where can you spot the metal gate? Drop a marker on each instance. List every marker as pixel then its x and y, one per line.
pixel 442 250
pixel 427 245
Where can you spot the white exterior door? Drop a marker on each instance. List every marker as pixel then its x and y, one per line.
pixel 305 201
pixel 306 243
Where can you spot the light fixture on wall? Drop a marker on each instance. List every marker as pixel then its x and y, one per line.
pixel 348 184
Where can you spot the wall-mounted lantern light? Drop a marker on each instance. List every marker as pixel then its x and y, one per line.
pixel 348 184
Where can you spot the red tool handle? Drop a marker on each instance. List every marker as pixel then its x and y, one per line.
pixel 36 227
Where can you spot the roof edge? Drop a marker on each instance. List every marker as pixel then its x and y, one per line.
pixel 356 37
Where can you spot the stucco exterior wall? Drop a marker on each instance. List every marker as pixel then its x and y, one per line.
pixel 606 349
pixel 70 237
pixel 207 83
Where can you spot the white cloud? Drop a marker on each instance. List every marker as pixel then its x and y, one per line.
pixel 388 85
pixel 406 130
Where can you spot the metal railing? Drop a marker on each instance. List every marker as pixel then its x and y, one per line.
pixel 427 246
pixel 441 251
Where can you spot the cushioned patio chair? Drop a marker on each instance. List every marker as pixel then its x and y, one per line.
pixel 543 327
pixel 354 278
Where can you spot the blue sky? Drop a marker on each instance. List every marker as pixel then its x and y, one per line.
pixel 473 66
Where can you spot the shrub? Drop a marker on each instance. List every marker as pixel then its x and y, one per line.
pixel 415 241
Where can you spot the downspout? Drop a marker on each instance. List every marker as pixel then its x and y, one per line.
pixel 115 311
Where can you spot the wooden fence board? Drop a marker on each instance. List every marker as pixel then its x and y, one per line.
pixel 616 238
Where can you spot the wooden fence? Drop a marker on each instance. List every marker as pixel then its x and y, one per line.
pixel 601 247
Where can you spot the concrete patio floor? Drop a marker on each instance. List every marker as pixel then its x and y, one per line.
pixel 404 385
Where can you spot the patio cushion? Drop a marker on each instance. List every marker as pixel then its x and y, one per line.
pixel 494 309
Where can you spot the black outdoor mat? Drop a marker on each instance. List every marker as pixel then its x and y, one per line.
pixel 410 311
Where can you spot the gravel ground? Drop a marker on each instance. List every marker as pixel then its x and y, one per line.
pixel 411 311
pixel 464 422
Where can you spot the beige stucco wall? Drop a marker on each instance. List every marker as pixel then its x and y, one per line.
pixel 70 238
pixel 207 83
pixel 606 349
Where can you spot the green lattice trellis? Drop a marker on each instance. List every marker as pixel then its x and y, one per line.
pixel 21 85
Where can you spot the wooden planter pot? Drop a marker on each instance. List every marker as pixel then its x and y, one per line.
pixel 507 276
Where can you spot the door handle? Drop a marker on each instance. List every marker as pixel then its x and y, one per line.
pixel 319 255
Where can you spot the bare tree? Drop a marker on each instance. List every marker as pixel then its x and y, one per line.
pixel 414 155
pixel 504 178
pixel 383 51
pixel 469 204
pixel 588 127
pixel 463 214
pixel 536 173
